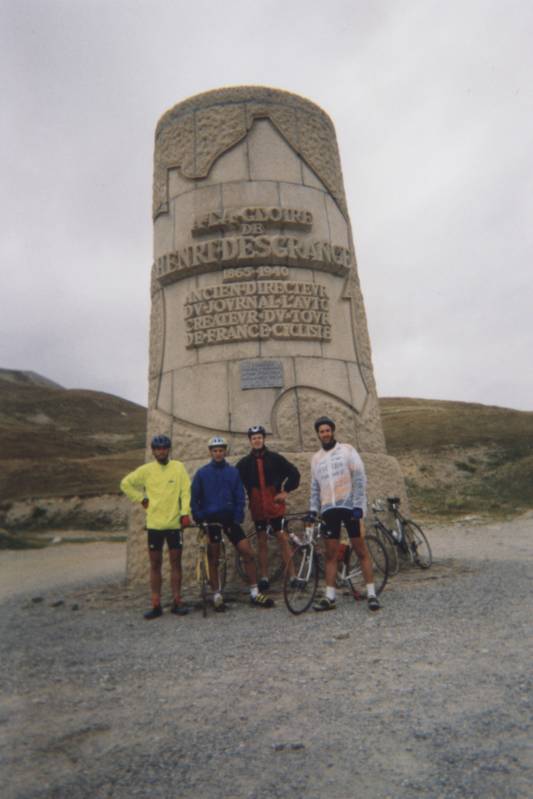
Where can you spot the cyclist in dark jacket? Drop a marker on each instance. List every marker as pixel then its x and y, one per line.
pixel 217 496
pixel 268 478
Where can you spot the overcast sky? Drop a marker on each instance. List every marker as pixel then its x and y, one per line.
pixel 433 107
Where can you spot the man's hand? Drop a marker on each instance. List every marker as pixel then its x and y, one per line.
pixel 310 517
pixel 281 497
pixel 185 521
pixel 145 502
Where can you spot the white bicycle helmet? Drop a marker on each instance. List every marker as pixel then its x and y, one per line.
pixel 217 441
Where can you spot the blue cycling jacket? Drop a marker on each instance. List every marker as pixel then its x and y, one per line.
pixel 217 488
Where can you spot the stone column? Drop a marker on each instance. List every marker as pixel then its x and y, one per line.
pixel 257 313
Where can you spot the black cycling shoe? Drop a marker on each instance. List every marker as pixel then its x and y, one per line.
pixel 155 613
pixel 374 603
pixel 179 609
pixel 262 601
pixel 263 584
pixel 325 604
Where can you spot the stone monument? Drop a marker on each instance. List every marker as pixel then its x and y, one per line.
pixel 257 314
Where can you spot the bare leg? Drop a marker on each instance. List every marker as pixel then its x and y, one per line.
pixel 332 549
pixel 286 551
pixel 174 556
pixel 156 560
pixel 262 553
pixel 248 558
pixel 213 556
pixel 361 550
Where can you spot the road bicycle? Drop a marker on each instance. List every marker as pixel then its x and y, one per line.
pixel 202 564
pixel 406 540
pixel 302 575
pixel 293 525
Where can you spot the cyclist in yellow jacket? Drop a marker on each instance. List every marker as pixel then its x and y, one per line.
pixel 163 488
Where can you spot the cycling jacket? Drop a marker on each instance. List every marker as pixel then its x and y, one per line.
pixel 264 474
pixel 168 489
pixel 217 488
pixel 338 479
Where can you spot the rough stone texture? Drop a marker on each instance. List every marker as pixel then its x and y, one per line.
pixel 215 155
pixel 193 134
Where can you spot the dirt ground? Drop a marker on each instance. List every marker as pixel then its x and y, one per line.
pixel 429 698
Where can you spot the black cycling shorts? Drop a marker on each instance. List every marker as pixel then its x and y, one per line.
pixel 332 520
pixel 156 539
pixel 271 525
pixel 233 530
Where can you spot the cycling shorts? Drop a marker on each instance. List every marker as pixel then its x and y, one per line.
pixel 233 530
pixel 332 520
pixel 156 539
pixel 270 525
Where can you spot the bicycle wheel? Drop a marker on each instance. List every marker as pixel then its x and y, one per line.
pixel 418 545
pixel 384 535
pixel 380 565
pixel 299 590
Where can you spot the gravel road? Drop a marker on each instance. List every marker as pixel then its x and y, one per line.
pixel 429 698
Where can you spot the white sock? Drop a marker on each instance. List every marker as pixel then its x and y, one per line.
pixel 254 590
pixel 217 597
pixel 330 593
pixel 370 589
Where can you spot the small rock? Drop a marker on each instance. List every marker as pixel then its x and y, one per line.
pixel 341 636
pixel 75 606
pixel 36 599
pixel 57 603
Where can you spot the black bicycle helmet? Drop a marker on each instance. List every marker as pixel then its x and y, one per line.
pixel 324 420
pixel 161 442
pixel 256 428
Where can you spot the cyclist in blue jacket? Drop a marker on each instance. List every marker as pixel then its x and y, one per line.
pixel 217 496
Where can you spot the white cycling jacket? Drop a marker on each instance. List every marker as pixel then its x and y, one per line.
pixel 338 479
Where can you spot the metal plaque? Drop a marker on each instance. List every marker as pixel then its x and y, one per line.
pixel 261 374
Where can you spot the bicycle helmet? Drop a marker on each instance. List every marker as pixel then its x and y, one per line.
pixel 256 428
pixel 217 441
pixel 161 442
pixel 324 420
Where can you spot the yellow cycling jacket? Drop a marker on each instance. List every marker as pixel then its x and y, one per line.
pixel 168 489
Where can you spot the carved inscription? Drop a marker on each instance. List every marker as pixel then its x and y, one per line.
pixel 257 311
pixel 215 254
pixel 252 220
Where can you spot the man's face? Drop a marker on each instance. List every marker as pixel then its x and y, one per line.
pixel 218 453
pixel 161 454
pixel 257 441
pixel 325 433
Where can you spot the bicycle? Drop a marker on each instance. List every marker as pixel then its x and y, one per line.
pixel 289 524
pixel 406 540
pixel 302 574
pixel 202 566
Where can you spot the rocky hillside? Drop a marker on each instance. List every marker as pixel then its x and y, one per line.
pixel 458 458
pixel 461 458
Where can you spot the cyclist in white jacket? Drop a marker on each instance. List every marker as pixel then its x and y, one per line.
pixel 338 493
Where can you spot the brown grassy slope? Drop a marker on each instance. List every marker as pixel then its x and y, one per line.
pixel 460 458
pixel 457 457
pixel 59 442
